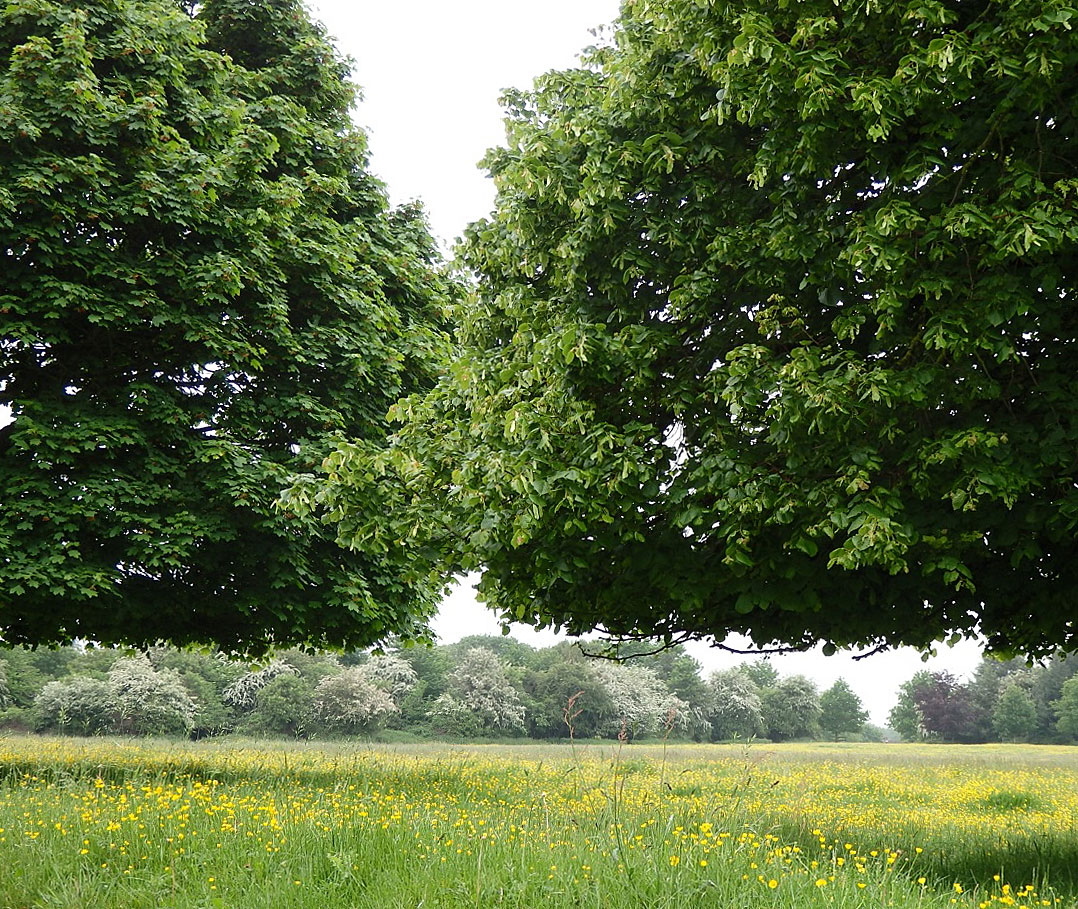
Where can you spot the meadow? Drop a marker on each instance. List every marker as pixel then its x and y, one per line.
pixel 124 823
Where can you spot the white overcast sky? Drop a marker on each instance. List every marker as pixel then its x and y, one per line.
pixel 431 73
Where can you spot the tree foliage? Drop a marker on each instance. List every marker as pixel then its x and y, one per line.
pixel 1014 718
pixel 566 699
pixel 1066 710
pixel 392 674
pixel 242 692
pixel 202 287
pixel 77 704
pixel 841 711
pixel 905 717
pixel 282 706
pixel 480 687
pixel 5 692
pixel 945 708
pixel 149 701
pixel 643 705
pixel 736 710
pixel 791 709
pixel 774 332
pixel 351 701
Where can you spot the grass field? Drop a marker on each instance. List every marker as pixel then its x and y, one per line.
pixel 118 823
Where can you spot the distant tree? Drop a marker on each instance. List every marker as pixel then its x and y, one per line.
pixel 5 693
pixel 74 704
pixel 872 733
pixel 351 701
pixel 24 678
pixel 508 649
pixel 989 679
pixel 1066 710
pixel 945 708
pixel 95 662
pixel 736 709
pixel 763 674
pixel 550 692
pixel 206 674
pixel 312 665
pixel 147 701
pixel 242 692
pixel 678 669
pixel 451 717
pixel 1014 718
pixel 432 666
pixel 392 674
pixel 283 706
pixel 791 709
pixel 1047 684
pixel 905 717
pixel 480 685
pixel 57 662
pixel 841 711
pixel 643 705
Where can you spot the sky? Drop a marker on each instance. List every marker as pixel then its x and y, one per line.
pixel 431 73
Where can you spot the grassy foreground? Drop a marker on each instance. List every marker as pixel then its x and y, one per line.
pixel 114 823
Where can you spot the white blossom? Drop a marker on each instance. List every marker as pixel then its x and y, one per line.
pixel 349 700
pixel 480 684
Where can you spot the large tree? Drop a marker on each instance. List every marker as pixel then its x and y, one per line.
pixel 775 331
pixel 841 711
pixel 201 287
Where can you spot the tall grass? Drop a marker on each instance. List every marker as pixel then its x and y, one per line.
pixel 111 823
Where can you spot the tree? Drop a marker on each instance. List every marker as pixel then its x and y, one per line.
pixel 736 709
pixel 1046 688
pixel 1014 718
pixel 74 704
pixel 1066 710
pixel 566 696
pixel 841 711
pixel 773 333
pixel 24 678
pixel 282 705
pixel 643 705
pixel 202 288
pixel 762 673
pixel 351 701
pixel 206 674
pixel 989 679
pixel 480 687
pixel 5 693
pixel 791 709
pixel 242 692
pixel 148 701
pixel 392 674
pixel 945 708
pixel 905 717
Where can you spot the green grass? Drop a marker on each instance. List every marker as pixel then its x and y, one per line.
pixel 242 825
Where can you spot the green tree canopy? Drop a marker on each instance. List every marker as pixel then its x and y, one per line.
pixel 1066 710
pixel 1015 717
pixel 202 286
pixel 774 331
pixel 841 711
pixel 791 709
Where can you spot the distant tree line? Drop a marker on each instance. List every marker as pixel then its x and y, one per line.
pixel 480 687
pixel 1004 701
